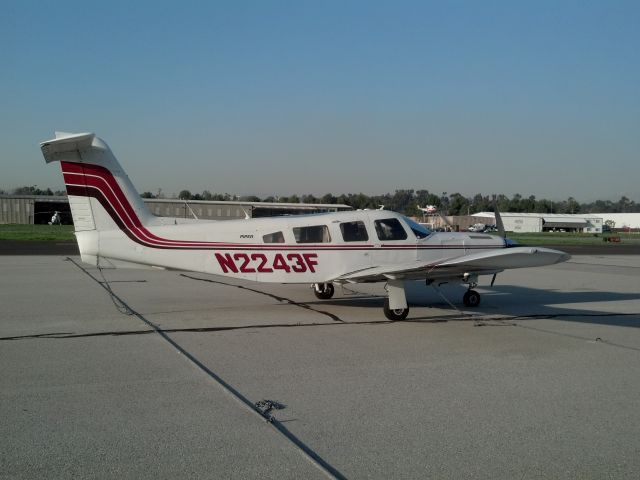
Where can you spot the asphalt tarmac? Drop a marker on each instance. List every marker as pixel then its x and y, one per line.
pixel 155 374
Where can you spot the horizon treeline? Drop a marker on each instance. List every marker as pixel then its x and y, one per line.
pixel 404 201
pixel 408 201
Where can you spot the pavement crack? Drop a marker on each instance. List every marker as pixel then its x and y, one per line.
pixel 116 333
pixel 313 457
pixel 332 316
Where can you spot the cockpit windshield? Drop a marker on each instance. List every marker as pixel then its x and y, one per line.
pixel 420 231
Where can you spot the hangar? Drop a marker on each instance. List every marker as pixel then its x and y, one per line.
pixel 544 222
pixel 38 209
pixel 622 221
pixel 33 209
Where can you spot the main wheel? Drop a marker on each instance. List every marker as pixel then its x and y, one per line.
pixel 323 291
pixel 471 298
pixel 394 315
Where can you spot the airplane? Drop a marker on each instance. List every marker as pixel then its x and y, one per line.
pixel 115 229
pixel 428 209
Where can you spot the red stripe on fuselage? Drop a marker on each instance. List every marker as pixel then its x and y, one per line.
pixel 87 180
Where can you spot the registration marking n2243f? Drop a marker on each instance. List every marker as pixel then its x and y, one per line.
pixel 263 263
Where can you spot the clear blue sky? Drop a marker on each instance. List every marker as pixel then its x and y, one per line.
pixel 265 97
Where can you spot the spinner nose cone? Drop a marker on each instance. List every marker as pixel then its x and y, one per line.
pixel 510 243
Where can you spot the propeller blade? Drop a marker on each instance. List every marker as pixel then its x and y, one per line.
pixel 499 224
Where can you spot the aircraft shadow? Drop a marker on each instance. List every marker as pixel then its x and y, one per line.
pixel 505 301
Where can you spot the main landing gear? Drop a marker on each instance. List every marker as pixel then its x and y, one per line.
pixel 323 291
pixel 471 298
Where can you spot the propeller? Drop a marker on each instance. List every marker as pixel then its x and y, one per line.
pixel 500 227
pixel 499 224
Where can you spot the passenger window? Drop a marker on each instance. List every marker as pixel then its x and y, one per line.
pixel 315 234
pixel 354 232
pixel 390 229
pixel 276 237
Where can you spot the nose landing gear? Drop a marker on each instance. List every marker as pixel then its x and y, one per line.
pixel 396 314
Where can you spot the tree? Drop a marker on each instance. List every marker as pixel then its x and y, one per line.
pixel 184 195
pixel 625 205
pixel 328 198
pixel 515 205
pixel 147 195
pixel 207 195
pixel 32 190
pixel 529 204
pixel 458 204
pixel 402 201
pixel 572 205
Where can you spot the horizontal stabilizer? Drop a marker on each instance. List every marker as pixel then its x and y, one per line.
pixel 60 147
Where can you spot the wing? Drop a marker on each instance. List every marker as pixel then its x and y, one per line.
pixel 482 263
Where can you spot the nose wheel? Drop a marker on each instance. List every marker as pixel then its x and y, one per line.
pixel 394 314
pixel 471 298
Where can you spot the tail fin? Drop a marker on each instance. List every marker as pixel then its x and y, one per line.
pixel 101 196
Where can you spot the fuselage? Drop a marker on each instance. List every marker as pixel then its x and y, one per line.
pixel 290 249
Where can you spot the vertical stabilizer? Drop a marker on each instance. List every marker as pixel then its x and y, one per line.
pixel 101 196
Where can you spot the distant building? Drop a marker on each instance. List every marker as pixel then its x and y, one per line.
pixel 545 222
pixel 38 209
pixel 30 209
pixel 622 221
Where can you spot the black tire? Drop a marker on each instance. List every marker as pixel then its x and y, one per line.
pixel 326 291
pixel 471 298
pixel 394 315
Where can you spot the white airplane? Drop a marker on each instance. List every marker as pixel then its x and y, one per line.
pixel 114 228
pixel 429 209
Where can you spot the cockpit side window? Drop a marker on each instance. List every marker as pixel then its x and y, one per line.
pixel 354 232
pixel 390 229
pixel 313 234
